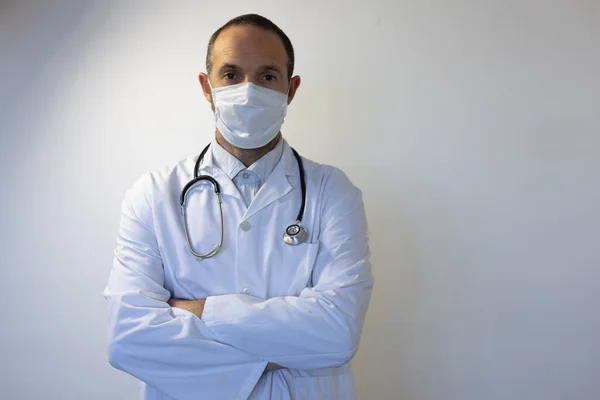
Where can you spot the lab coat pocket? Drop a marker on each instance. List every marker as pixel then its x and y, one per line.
pixel 301 259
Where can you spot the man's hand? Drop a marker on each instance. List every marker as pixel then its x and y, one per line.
pixel 196 307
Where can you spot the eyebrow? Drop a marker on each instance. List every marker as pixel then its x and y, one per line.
pixel 228 66
pixel 273 68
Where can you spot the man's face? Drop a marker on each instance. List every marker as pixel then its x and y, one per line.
pixel 243 54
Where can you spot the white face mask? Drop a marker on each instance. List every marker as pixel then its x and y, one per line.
pixel 247 115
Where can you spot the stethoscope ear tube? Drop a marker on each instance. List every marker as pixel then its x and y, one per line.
pixel 302 186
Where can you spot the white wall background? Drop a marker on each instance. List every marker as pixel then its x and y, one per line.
pixel 473 128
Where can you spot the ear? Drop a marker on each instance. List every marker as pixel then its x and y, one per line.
pixel 203 78
pixel 294 85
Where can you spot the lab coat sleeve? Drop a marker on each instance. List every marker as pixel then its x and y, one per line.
pixel 321 327
pixel 169 349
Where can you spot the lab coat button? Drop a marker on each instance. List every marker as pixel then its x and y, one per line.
pixel 247 290
pixel 245 225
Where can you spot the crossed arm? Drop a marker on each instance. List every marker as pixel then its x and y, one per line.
pixel 196 307
pixel 224 343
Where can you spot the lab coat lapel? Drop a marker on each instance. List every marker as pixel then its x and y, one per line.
pixel 226 185
pixel 277 184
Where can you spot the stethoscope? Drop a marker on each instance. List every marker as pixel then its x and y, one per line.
pixel 294 234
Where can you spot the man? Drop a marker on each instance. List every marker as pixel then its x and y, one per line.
pixel 209 307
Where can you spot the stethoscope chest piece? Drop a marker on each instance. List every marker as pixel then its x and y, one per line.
pixel 295 234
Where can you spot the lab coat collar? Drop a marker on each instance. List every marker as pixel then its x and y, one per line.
pixel 277 184
pixel 232 166
pixel 289 161
pixel 208 167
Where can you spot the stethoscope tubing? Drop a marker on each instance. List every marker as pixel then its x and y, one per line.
pixel 197 177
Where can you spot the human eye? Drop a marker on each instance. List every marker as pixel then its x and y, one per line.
pixel 269 78
pixel 230 76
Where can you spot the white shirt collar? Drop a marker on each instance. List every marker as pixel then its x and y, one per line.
pixel 262 167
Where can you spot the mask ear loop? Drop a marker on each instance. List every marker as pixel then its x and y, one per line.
pixel 212 96
pixel 212 90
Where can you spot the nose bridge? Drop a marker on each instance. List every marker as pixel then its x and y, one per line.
pixel 250 78
pixel 249 72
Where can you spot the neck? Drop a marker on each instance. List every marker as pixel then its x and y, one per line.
pixel 247 156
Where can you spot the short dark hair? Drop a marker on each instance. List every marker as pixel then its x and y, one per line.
pixel 259 22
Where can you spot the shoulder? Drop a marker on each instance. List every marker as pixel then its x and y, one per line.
pixel 330 179
pixel 161 180
pixel 338 202
pixel 337 198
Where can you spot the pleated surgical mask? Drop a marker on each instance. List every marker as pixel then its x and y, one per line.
pixel 247 115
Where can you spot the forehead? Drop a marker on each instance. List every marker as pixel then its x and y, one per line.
pixel 248 46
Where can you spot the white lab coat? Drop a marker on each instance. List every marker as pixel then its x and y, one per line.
pixel 301 307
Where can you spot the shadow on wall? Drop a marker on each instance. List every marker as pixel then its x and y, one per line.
pixel 416 267
pixel 396 301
